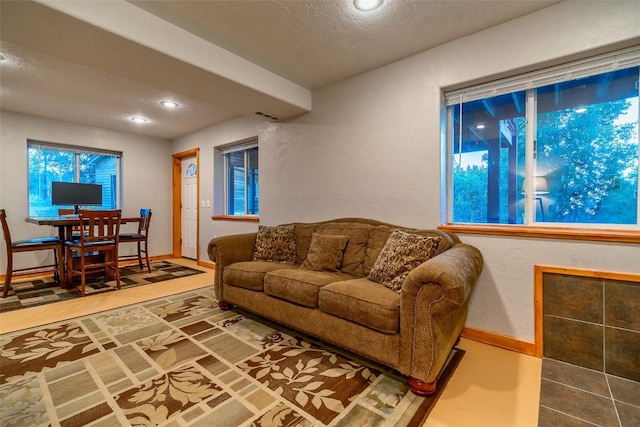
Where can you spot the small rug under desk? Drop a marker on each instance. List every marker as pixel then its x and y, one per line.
pixel 31 293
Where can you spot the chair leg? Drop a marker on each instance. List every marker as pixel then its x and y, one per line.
pixel 83 275
pixel 7 278
pixel 56 272
pixel 139 255
pixel 146 255
pixel 69 269
pixel 59 257
pixel 116 268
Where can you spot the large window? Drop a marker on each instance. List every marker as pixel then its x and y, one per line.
pixel 558 147
pixel 54 162
pixel 241 193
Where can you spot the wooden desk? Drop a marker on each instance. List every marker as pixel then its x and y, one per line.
pixel 65 224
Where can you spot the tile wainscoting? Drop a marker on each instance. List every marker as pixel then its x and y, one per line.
pixel 589 324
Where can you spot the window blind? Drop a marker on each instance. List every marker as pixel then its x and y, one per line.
pixel 70 148
pixel 617 60
pixel 239 147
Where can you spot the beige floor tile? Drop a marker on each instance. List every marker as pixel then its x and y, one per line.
pixel 491 387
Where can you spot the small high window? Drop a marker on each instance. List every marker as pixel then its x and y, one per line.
pixel 241 186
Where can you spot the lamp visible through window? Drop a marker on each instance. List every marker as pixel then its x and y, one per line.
pixel 540 186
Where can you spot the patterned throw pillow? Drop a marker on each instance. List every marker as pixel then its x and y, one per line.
pixel 402 253
pixel 276 243
pixel 325 252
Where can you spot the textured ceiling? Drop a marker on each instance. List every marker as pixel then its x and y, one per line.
pixel 66 68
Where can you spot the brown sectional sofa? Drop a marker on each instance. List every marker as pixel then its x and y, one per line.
pixel 412 331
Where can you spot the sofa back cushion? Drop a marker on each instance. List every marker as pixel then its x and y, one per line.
pixel 325 252
pixel 303 240
pixel 356 250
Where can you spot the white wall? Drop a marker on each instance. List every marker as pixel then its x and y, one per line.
pixel 230 131
pixel 371 147
pixel 146 174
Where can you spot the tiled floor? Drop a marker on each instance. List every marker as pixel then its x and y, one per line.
pixel 571 395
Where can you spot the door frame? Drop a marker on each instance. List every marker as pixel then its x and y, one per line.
pixel 177 200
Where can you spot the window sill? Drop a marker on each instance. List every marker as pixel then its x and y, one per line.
pixel 247 218
pixel 599 235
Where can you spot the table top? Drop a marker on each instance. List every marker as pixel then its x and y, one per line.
pixel 62 220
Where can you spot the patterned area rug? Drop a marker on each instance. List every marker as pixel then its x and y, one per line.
pixel 179 360
pixel 25 294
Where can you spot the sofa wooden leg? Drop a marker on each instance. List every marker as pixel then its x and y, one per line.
pixel 224 306
pixel 421 388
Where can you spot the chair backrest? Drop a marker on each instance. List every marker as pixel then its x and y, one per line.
pixel 66 211
pixel 145 221
pixel 5 229
pixel 100 225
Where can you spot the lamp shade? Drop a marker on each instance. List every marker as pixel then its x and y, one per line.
pixel 540 185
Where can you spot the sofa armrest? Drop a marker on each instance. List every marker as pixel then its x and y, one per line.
pixel 433 309
pixel 226 250
pixel 455 271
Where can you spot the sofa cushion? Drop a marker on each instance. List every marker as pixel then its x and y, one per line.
pixel 363 302
pixel 402 253
pixel 250 274
pixel 325 252
pixel 353 259
pixel 303 239
pixel 276 243
pixel 299 286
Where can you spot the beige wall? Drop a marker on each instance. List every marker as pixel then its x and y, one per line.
pixel 146 177
pixel 371 147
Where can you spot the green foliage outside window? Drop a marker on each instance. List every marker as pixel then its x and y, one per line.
pixel 585 152
pixel 49 162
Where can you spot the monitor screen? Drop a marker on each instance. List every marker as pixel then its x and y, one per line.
pixel 75 194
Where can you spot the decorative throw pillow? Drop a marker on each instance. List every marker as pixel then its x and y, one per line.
pixel 402 253
pixel 276 243
pixel 325 252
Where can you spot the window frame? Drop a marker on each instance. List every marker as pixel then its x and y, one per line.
pixel 626 58
pixel 78 151
pixel 244 147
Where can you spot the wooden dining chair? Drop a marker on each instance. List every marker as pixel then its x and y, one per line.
pixel 30 245
pixel 101 236
pixel 77 229
pixel 141 238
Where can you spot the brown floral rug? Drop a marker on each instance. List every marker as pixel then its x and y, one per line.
pixel 30 293
pixel 179 360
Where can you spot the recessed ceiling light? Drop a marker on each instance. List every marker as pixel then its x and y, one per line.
pixel 367 5
pixel 480 126
pixel 169 104
pixel 139 119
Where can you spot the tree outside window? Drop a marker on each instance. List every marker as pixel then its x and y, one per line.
pixel 585 153
pixel 51 162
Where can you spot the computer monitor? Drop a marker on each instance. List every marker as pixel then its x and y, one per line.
pixel 75 194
